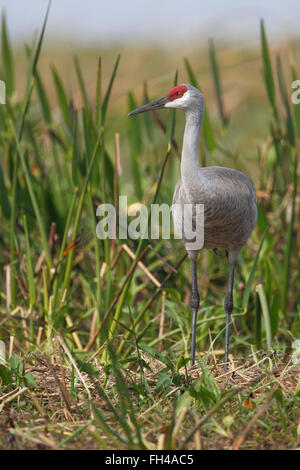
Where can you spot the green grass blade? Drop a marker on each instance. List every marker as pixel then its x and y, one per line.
pixel 34 200
pixel 124 410
pixel 265 312
pixel 268 72
pixel 103 177
pixel 34 56
pixel 40 41
pixel 135 142
pixel 62 97
pixel 67 225
pixel 274 313
pixel 106 428
pixel 4 202
pixel 30 275
pixel 87 132
pixel 33 60
pixel 75 433
pixel 45 106
pixel 286 101
pixel 249 283
pixel 290 240
pixel 79 209
pixel 97 256
pixel 206 125
pixel 108 92
pixel 7 58
pixel 217 82
pixel 82 86
pixel 63 245
pixel 75 152
pixel 257 323
pixel 126 400
pixel 263 224
pixel 148 119
pixel 171 120
pixel 98 111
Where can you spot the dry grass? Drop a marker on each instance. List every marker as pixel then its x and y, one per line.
pixel 51 417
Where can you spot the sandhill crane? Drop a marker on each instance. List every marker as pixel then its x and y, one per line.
pixel 228 196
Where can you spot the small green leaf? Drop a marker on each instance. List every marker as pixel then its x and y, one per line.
pixel 155 354
pixel 29 380
pixel 16 364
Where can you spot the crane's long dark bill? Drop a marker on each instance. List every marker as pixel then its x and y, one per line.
pixel 152 106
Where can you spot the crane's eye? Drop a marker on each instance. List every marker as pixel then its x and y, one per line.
pixel 177 92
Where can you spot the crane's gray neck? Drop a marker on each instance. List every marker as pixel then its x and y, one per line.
pixel 190 170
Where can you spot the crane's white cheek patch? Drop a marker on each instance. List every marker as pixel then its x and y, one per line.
pixel 170 104
pixel 175 103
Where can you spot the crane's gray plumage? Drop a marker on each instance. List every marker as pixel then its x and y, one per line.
pixel 228 196
pixel 229 200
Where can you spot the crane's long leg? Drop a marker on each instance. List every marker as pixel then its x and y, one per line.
pixel 228 310
pixel 195 300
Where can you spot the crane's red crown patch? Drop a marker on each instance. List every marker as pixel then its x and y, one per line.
pixel 177 92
